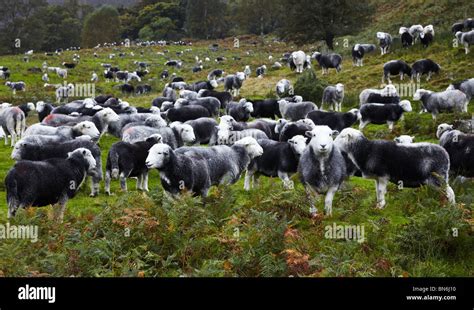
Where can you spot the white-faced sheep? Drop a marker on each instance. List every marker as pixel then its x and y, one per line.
pixel 240 111
pixel 12 121
pixel 333 97
pixel 404 139
pixel 298 58
pixel 387 91
pixel 284 88
pixel 459 147
pixel 385 41
pixel 294 111
pixel 435 103
pixel 466 39
pixel 377 113
pixel 466 86
pixel 233 83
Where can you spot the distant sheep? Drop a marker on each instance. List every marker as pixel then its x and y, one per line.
pixel 333 97
pixel 449 100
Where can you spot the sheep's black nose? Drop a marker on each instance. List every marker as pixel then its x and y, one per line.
pixel 323 146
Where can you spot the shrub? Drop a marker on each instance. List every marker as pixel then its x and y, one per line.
pixel 310 87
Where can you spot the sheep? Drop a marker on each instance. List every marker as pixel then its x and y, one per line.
pixel 25 150
pixel 409 165
pixel 322 167
pixel 12 122
pixel 279 159
pixel 214 74
pixel 127 160
pixel 247 71
pixel 186 113
pixel 426 39
pixel 209 85
pixel 82 128
pixel 233 83
pixel 170 93
pixel 466 86
pixel 298 59
pixel 456 27
pixel 458 145
pixel 376 113
pixel 69 65
pixel 179 172
pixel 284 88
pixel 424 66
pixel 335 120
pixel 387 91
pixel 109 75
pixel 132 76
pixel 442 101
pixel 226 163
pixel 227 136
pixel 261 71
pixel 50 181
pixel 395 67
pixel 143 89
pixel 240 111
pixel 265 108
pixel 358 53
pixel 469 23
pixel 154 121
pixel 62 73
pixel 210 103
pixel 27 107
pixel 204 128
pixel 415 31
pixel 466 39
pixel 404 139
pixel 328 61
pixel 294 111
pixel 175 136
pixel 287 130
pixel 333 96
pixel 406 37
pixel 368 48
pixel 64 92
pixel 16 86
pixel 265 125
pixel 115 128
pixel 223 97
pixel 188 94
pixel 385 41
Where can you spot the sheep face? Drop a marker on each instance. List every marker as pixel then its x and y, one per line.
pixel 340 88
pixel 226 122
pixel 214 83
pixel 158 156
pixel 346 138
pixel 89 103
pixel 87 155
pixel 108 115
pixel 406 105
pixel 419 93
pixel 298 144
pixel 185 131
pixel 404 139
pixel 88 128
pixel 248 107
pixel 240 76
pixel 251 146
pixel 442 128
pixel 389 91
pixel 321 139
pixel 16 153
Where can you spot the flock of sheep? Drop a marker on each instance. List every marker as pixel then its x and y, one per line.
pixel 288 135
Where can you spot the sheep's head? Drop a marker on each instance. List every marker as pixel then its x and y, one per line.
pixel 389 91
pixel 17 149
pixel 403 30
pixel 226 122
pixel 420 93
pixel 404 139
pixel 298 144
pixel 442 128
pixel 88 128
pixel 251 145
pixel 322 139
pixel 40 105
pixel 185 131
pixel 240 76
pixel 406 105
pixel 154 138
pixel 214 83
pixel 85 154
pixel 340 87
pixel 108 115
pixel 158 156
pixel 248 107
pixel 347 138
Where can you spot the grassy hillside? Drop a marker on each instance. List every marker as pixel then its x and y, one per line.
pixel 264 232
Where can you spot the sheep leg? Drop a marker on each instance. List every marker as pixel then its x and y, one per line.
pixel 311 195
pixel 328 200
pixel 13 206
pixel 107 182
pixel 429 76
pixel 61 208
pixel 390 126
pixel 139 182
pixel 363 124
pixel 287 184
pixel 145 182
pixel 247 180
pixel 381 189
pixel 13 138
pixel 123 182
pixel 450 195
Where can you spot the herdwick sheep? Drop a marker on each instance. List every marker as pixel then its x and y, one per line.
pixel 357 55
pixel 328 61
pixel 179 172
pixel 175 136
pixel 287 130
pixel 333 97
pixel 83 128
pixel 322 167
pixel 415 31
pixel 466 86
pixel 227 136
pixel 154 121
pixel 247 72
pixel 284 88
pixel 127 160
pixel 223 97
pixel 298 58
pixel 448 100
pixel 240 111
pixel 469 23
pixel 265 125
pixel 409 165
pixel 387 91
pixel 261 71
pixel 377 113
pixel 459 146
pixel 209 85
pixel 426 39
pixel 279 159
pixel 204 128
pixel 214 74
pixel 186 113
pixel 50 181
pixel 424 66
pixel 115 128
pixel 466 39
pixel 265 108
pixel 406 37
pixel 294 111
pixel 335 120
pixel 385 41
pixel 27 107
pixel 210 103
pixel 12 122
pixel 226 163
pixel 233 83
pixel 395 67
pixel 457 27
pixel 404 139
pixel 16 86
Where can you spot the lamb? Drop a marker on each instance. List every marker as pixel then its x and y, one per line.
pixel 240 111
pixel 127 160
pixel 175 136
pixel 376 113
pixel 294 111
pixel 279 159
pixel 223 97
pixel 335 120
pixel 233 83
pixel 322 167
pixel 466 86
pixel 435 103
pixel 247 71
pixel 62 73
pixel 25 150
pixel 179 172
pixel 12 122
pixel 328 61
pixel 458 145
pixel 204 128
pixel 404 139
pixel 298 59
pixel 83 128
pixel 466 39
pixel 16 86
pixel 226 162
pixel 395 67
pixel 409 165
pixel 385 41
pixel 333 96
pixel 424 66
pixel 186 113
pixel 284 88
pixel 51 181
pixel 387 91
pixel 265 108
pixel 287 130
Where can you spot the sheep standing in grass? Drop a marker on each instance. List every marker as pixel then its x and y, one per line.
pixel 322 167
pixel 409 165
pixel 233 83
pixel 385 41
pixel 395 67
pixel 466 39
pixel 415 31
pixel 240 111
pixel 294 111
pixel 466 86
pixel 387 91
pixel 424 66
pixel 459 147
pixel 434 103
pixel 299 59
pixel 12 121
pixel 333 97
pixel 377 113
pixel 328 61
pixel 284 88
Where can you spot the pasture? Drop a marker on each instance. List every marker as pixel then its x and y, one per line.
pixel 264 232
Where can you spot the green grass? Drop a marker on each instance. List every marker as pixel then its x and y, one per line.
pixel 264 232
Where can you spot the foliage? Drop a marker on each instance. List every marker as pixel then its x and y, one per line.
pixel 102 25
pixel 310 87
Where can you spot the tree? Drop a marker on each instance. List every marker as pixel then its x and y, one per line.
pixel 257 16
pixel 102 25
pixel 205 19
pixel 311 20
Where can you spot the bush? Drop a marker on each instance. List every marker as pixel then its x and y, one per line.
pixel 310 87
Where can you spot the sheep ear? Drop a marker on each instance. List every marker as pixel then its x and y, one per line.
pixel 397 140
pixel 309 134
pixel 335 133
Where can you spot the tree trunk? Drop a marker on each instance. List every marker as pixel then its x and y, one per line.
pixel 329 38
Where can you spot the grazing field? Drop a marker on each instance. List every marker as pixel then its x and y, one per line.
pixel 267 231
